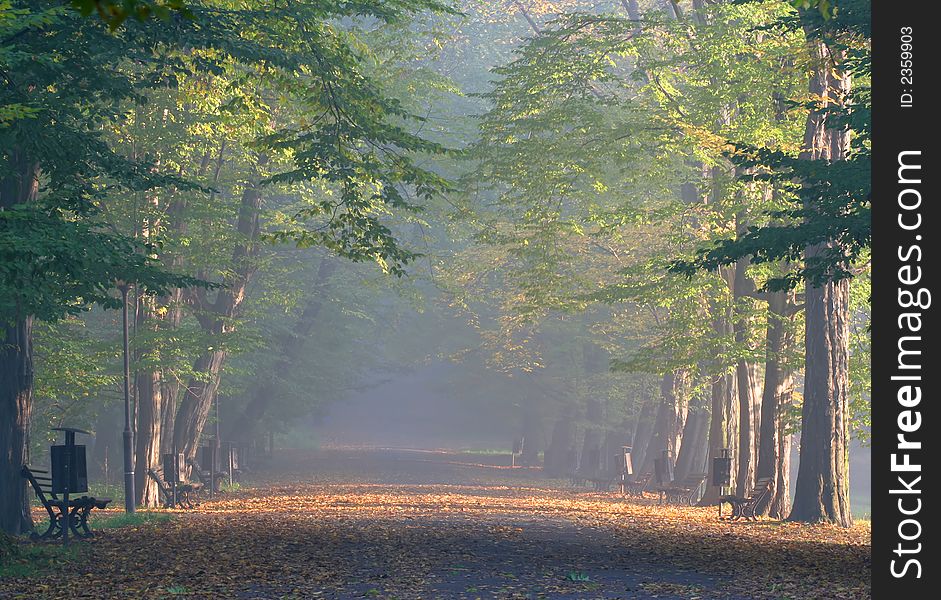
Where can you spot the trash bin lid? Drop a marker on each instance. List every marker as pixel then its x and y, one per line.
pixel 71 429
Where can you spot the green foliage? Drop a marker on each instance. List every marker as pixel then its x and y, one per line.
pixel 115 12
pixel 53 266
pixel 830 203
pixel 57 254
pixel 860 367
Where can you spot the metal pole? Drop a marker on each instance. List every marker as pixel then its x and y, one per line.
pixel 66 513
pixel 216 450
pixel 174 463
pixel 129 495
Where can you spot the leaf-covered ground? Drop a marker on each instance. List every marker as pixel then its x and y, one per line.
pixel 402 524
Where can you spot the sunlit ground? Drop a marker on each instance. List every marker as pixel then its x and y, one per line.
pixel 357 523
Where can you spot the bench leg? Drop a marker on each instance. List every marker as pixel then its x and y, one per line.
pixel 751 512
pixel 52 531
pixel 75 522
pixel 83 522
pixel 736 511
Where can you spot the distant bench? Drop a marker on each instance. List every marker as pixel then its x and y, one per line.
pixel 75 513
pixel 683 492
pixel 186 493
pixel 747 507
pixel 636 485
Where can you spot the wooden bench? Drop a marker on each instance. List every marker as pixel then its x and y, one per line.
pixel 186 493
pixel 203 475
pixel 684 492
pixel 76 513
pixel 636 486
pixel 603 483
pixel 747 508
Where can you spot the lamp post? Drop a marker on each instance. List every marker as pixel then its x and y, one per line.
pixel 129 495
pixel 214 453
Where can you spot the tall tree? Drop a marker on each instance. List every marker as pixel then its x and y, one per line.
pixel 822 489
pixel 57 255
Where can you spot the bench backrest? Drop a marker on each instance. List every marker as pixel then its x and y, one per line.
pixel 694 481
pixel 42 484
pixel 203 475
pixel 157 475
pixel 762 487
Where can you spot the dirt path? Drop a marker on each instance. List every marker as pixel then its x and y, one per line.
pixel 410 524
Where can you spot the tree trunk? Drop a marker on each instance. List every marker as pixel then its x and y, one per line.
pixel 749 393
pixel 775 401
pixel 594 435
pixel 200 392
pixel 18 186
pixel 563 439
pixel 747 438
pixel 198 396
pixel 149 428
pixel 701 456
pixel 781 500
pixel 723 431
pixel 533 430
pixel 674 386
pixel 170 392
pixel 668 425
pixel 689 459
pixel 149 406
pixel 643 431
pixel 16 396
pixel 614 441
pixel 822 490
pixel 169 385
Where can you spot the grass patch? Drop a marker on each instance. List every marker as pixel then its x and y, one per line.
pixel 19 559
pixel 136 519
pixel 231 487
pixel 178 590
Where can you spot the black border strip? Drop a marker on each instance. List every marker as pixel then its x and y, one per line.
pixel 902 124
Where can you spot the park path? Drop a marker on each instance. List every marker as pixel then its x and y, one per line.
pixel 384 523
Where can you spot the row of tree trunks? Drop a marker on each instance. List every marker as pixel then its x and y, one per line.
pixel 822 489
pixel 156 390
pixel 694 445
pixel 669 421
